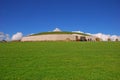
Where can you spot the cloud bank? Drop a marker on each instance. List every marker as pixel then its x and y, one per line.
pixel 105 37
pixel 17 36
pixel 5 37
pixel 2 36
pixel 78 31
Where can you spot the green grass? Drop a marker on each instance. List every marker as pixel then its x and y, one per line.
pixel 59 33
pixel 60 61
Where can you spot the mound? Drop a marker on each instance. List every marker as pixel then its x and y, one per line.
pixel 58 36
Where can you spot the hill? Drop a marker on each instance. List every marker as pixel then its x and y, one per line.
pixel 60 61
pixel 59 33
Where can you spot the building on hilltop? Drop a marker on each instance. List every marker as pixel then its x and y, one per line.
pixel 58 35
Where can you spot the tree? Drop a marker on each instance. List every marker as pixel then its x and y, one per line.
pixel 116 40
pixel 109 39
pixel 97 39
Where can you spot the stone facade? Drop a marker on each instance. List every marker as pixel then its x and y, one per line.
pixel 49 37
pixel 54 37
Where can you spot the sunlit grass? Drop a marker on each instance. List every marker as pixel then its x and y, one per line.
pixel 60 61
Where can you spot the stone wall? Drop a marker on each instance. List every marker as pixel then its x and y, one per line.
pixel 56 37
pixel 50 37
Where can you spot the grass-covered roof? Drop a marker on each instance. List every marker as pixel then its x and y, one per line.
pixel 45 33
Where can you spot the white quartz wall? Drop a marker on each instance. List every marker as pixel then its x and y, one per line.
pixel 49 37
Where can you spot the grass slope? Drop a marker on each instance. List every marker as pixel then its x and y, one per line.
pixel 59 33
pixel 60 61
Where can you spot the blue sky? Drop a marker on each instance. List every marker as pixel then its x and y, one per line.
pixel 33 16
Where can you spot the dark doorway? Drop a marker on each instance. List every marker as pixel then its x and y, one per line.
pixel 77 39
pixel 82 38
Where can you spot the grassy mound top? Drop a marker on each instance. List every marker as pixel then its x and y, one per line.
pixel 43 33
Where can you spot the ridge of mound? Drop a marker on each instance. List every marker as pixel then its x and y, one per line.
pixel 45 33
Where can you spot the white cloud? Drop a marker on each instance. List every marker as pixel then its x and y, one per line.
pixel 114 37
pixel 56 30
pixel 2 36
pixel 88 33
pixel 78 31
pixel 105 37
pixel 17 36
pixel 30 34
pixel 7 37
pixel 119 38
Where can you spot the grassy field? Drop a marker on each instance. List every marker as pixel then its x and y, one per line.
pixel 60 61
